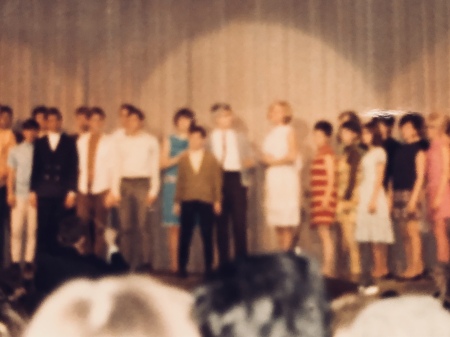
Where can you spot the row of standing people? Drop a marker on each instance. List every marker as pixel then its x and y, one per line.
pixel 375 183
pixel 51 174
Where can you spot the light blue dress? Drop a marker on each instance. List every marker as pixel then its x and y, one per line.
pixel 176 146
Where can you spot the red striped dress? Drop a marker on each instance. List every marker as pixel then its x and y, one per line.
pixel 319 215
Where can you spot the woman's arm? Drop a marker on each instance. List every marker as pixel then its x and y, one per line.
pixel 443 178
pixel 166 161
pixel 330 174
pixel 378 185
pixel 420 177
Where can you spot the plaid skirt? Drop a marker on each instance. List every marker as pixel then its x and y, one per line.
pixel 400 202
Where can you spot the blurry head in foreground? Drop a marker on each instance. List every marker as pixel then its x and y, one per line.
pixel 131 306
pixel 274 295
pixel 405 316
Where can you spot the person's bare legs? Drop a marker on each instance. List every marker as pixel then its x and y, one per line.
pixel 285 236
pixel 413 249
pixel 442 244
pixel 173 237
pixel 348 235
pixel 379 257
pixel 327 250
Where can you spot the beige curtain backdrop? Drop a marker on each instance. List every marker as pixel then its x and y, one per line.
pixel 323 56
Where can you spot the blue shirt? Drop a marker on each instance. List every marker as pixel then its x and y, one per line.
pixel 20 159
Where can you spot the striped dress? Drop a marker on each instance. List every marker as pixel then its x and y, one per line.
pixel 319 215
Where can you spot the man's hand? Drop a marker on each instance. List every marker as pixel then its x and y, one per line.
pixel 150 200
pixel 176 209
pixel 70 200
pixel 11 200
pixel 33 199
pixel 217 208
pixel 111 200
pixel 110 236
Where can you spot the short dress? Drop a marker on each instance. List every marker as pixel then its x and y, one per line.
pixel 434 170
pixel 282 182
pixel 176 146
pixel 346 209
pixel 403 179
pixel 319 215
pixel 372 227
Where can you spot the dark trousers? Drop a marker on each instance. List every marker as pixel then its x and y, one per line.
pixel 50 211
pixel 4 216
pixel 92 211
pixel 365 249
pixel 234 208
pixel 191 212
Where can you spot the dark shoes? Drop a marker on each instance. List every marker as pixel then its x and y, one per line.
pixel 182 274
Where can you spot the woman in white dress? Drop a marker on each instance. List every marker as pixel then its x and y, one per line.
pixel 373 221
pixel 282 178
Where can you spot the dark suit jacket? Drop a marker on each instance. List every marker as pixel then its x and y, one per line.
pixel 54 173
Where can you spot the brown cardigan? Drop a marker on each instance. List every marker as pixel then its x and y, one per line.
pixel 206 185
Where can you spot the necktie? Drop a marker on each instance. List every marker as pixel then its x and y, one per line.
pixel 92 149
pixel 224 147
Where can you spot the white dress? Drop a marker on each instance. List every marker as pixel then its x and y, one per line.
pixel 282 183
pixel 376 227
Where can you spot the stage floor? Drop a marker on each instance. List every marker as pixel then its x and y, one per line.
pixel 335 287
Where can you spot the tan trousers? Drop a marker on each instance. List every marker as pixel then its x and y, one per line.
pixel 23 221
pixel 134 235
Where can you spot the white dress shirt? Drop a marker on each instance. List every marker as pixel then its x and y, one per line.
pixel 225 149
pixel 137 156
pixel 53 139
pixel 196 159
pixel 103 164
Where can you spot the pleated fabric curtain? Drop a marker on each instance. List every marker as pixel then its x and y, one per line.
pixel 323 56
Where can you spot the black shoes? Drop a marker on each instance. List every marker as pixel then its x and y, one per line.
pixel 182 274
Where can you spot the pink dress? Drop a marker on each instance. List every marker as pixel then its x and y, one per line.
pixel 434 171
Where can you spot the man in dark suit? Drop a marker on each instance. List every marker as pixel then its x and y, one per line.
pixel 53 180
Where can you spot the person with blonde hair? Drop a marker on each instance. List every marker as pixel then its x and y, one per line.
pixel 437 187
pixel 282 178
pixel 132 306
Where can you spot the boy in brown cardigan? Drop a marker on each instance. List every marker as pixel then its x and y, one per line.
pixel 198 197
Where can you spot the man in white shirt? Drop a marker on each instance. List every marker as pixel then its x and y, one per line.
pixel 123 119
pixel 95 167
pixel 53 180
pixel 136 183
pixel 234 153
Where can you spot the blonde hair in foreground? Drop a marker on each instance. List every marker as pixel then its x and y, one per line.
pixel 130 306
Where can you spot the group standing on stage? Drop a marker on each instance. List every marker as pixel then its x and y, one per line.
pixel 370 185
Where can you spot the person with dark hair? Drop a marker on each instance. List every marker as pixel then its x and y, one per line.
pixel 7 142
pixel 268 295
pixel 81 121
pixel 23 214
pixel 386 124
pixel 349 116
pixel 124 110
pixel 234 153
pixel 348 169
pixel 95 167
pixel 408 177
pixel 282 189
pixel 174 148
pixel 39 114
pixel 323 193
pixel 53 180
pixel 135 188
pixel 198 196
pixel 373 221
